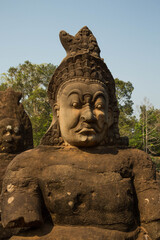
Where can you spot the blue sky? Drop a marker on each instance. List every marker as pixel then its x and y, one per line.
pixel 128 33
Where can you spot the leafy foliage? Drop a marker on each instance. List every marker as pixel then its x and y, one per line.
pixel 124 92
pixel 127 121
pixel 150 129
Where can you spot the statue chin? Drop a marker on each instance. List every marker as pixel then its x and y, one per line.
pixel 84 141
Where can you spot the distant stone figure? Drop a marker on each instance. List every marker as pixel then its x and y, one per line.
pixel 15 128
pixel 82 182
pixel 15 132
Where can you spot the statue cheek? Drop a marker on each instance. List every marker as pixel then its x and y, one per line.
pixel 102 120
pixel 73 119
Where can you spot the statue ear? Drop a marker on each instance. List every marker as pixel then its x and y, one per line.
pixel 110 117
pixel 56 109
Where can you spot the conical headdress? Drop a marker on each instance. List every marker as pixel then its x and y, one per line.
pixel 82 62
pixel 10 107
pixel 9 104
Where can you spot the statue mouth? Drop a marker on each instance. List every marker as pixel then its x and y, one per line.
pixel 8 146
pixel 86 128
pixel 87 131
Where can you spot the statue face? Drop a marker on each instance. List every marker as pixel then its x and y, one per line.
pixel 83 113
pixel 11 140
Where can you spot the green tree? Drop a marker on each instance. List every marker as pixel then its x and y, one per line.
pixel 150 128
pixel 127 121
pixel 136 136
pixel 32 80
pixel 124 92
pixel 146 134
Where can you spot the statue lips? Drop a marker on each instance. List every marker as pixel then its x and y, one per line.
pixel 89 129
pixel 10 144
pixel 7 145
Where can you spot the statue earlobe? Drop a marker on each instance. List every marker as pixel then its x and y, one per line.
pixel 56 109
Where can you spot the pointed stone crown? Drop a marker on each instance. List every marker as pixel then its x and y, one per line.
pixel 11 107
pixel 83 62
pixel 82 42
pixel 9 103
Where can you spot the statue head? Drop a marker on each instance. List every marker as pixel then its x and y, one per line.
pixel 82 112
pixel 82 96
pixel 15 126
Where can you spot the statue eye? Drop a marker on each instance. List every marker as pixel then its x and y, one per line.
pixel 100 106
pixel 9 128
pixel 16 129
pixel 76 105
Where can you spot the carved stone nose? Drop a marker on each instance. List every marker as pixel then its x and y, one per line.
pixel 87 115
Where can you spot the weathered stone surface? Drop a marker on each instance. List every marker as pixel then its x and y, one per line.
pixel 81 187
pixel 5 159
pixel 78 184
pixel 15 136
pixel 15 126
pixel 15 129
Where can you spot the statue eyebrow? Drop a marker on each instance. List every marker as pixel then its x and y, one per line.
pixel 97 94
pixel 77 91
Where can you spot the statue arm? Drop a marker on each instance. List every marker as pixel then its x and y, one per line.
pixel 21 205
pixel 148 194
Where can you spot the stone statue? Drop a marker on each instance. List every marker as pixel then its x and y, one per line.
pixel 15 128
pixel 15 132
pixel 82 182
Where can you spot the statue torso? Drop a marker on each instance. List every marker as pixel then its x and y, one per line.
pixel 80 188
pixel 88 188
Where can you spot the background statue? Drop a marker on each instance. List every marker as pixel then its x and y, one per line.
pixel 79 183
pixel 15 132
pixel 15 128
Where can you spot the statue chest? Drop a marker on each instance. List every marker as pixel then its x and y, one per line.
pixel 85 193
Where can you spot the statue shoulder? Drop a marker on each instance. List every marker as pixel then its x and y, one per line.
pixel 141 157
pixel 136 155
pixel 23 159
pixel 143 166
pixel 33 159
pixel 139 160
